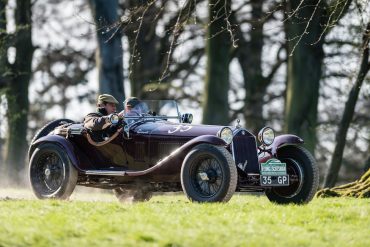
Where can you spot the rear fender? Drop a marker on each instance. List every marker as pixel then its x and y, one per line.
pixel 62 142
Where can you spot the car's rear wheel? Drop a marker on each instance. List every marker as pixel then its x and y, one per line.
pixel 51 172
pixel 303 174
pixel 141 194
pixel 208 174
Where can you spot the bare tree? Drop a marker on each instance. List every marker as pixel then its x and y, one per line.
pixel 348 113
pixel 308 22
pixel 151 65
pixel 16 80
pixel 109 56
pixel 249 55
pixel 219 41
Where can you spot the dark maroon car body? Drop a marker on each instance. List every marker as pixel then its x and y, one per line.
pixel 147 154
pixel 155 151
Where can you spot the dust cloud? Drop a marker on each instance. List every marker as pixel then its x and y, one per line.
pixel 22 190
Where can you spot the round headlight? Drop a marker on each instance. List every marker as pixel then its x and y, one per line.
pixel 114 118
pixel 266 136
pixel 226 134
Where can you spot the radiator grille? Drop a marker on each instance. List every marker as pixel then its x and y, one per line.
pixel 165 148
pixel 244 149
pixel 140 153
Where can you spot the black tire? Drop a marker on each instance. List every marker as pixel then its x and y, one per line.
pixel 302 165
pixel 46 129
pixel 141 194
pixel 51 172
pixel 208 174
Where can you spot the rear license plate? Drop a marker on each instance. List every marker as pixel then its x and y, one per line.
pixel 282 180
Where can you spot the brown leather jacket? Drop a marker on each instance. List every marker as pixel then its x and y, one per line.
pixel 96 121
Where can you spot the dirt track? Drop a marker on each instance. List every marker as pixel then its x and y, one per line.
pixel 80 194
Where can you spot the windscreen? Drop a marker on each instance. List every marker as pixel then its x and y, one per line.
pixel 158 108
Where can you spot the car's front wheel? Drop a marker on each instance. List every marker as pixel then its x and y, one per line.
pixel 51 172
pixel 303 175
pixel 209 174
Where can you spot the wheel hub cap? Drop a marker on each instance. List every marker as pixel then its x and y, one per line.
pixel 203 176
pixel 47 172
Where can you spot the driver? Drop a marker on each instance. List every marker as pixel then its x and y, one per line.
pixel 99 120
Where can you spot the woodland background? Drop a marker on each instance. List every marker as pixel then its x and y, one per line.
pixel 299 66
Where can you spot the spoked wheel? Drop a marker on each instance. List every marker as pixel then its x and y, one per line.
pixel 303 177
pixel 140 194
pixel 208 174
pixel 296 178
pixel 51 173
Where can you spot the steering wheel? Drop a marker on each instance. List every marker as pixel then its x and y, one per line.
pixel 117 124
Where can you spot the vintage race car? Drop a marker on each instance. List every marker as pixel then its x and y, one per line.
pixel 156 149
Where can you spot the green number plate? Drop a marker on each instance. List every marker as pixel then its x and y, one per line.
pixel 273 167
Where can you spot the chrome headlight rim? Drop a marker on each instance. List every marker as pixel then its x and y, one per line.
pixel 266 136
pixel 226 134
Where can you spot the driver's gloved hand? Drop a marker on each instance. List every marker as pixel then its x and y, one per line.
pixel 121 123
pixel 113 129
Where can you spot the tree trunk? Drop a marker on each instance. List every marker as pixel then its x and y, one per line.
pixel 349 110
pixel 250 59
pixel 145 64
pixel 3 68
pixel 3 44
pixel 304 69
pixel 109 54
pixel 216 104
pixel 150 53
pixel 367 162
pixel 17 92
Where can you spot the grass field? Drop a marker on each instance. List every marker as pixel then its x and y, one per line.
pixel 172 221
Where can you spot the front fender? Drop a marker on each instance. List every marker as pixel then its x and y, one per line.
pixel 203 139
pixel 61 141
pixel 166 165
pixel 284 140
pixel 280 141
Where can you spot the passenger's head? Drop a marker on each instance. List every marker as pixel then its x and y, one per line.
pixel 108 102
pixel 130 103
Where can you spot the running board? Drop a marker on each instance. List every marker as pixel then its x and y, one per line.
pixel 105 173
